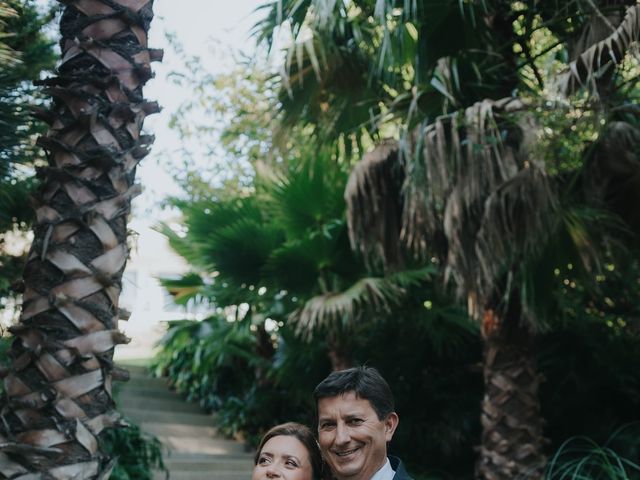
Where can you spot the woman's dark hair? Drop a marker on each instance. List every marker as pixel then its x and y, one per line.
pixel 305 436
pixel 365 382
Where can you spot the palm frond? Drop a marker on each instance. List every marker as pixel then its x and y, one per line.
pixel 453 163
pixel 469 184
pixel 307 196
pixel 188 287
pixel 8 56
pixel 374 208
pixel 516 223
pixel 232 237
pixel 600 55
pixel 295 265
pixel 241 250
pixel 370 295
pixel 184 247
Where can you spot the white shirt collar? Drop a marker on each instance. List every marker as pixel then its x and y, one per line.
pixel 385 473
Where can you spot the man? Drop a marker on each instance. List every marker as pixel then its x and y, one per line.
pixel 356 420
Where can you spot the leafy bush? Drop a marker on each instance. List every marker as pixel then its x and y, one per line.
pixel 431 359
pixel 583 458
pixel 135 452
pixel 233 369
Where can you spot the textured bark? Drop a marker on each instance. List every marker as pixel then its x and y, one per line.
pixel 58 388
pixel 512 427
pixel 338 354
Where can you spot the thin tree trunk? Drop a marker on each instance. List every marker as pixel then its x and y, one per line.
pixel 58 389
pixel 512 427
pixel 339 356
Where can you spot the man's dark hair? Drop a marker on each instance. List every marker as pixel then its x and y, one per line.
pixel 365 382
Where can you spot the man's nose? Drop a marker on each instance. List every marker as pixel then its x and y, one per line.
pixel 342 434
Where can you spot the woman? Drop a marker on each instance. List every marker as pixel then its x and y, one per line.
pixel 290 452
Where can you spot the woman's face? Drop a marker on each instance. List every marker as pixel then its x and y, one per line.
pixel 283 457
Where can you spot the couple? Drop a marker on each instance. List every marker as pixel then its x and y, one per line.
pixel 356 419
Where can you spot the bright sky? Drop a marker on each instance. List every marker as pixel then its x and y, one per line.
pixel 210 29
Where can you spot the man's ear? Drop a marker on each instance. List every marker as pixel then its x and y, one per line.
pixel 390 425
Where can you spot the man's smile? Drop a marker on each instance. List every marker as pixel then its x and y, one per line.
pixel 346 453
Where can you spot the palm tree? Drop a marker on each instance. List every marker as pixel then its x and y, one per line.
pixel 478 191
pixel 283 249
pixel 58 388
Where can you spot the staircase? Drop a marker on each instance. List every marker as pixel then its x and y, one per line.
pixel 193 449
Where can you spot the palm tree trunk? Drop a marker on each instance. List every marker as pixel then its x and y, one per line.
pixel 338 353
pixel 58 395
pixel 512 438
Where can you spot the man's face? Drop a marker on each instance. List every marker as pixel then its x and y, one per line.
pixel 352 438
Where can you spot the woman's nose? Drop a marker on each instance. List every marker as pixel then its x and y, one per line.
pixel 273 472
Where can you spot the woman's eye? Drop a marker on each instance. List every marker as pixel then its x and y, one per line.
pixel 291 463
pixel 263 460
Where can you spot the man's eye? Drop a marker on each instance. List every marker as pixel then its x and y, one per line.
pixel 326 425
pixel 356 421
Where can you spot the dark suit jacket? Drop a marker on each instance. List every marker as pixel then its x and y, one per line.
pixel 401 473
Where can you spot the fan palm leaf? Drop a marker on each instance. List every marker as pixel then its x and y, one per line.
pixel 375 295
pixel 307 197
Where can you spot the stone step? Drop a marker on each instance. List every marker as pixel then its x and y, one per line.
pixel 131 400
pixel 148 382
pixel 203 458
pixel 194 450
pixel 209 446
pixel 143 415
pixel 179 430
pixel 142 391
pixel 209 463
pixel 193 440
pixel 136 370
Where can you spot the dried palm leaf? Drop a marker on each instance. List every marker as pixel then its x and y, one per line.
pixel 451 164
pixel 374 207
pixel 516 221
pixel 599 56
pixel 8 56
pixel 470 180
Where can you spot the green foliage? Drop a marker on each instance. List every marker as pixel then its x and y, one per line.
pixel 591 352
pixel 22 33
pixel 430 352
pixel 17 93
pixel 583 458
pixel 205 360
pixel 136 453
pixel 230 367
pixel 7 55
pixel 429 358
pixel 273 259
